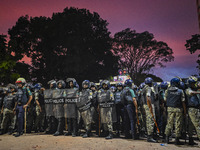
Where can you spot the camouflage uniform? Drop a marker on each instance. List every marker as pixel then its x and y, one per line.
pixel 175 110
pixel 147 91
pixel 193 109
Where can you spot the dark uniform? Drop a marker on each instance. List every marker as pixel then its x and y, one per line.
pixel 23 96
pixel 9 118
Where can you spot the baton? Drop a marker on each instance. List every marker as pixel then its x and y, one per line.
pixel 155 122
pixel 25 121
pixel 99 122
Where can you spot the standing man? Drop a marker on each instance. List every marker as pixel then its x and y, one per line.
pixel 130 109
pixel 119 107
pixel 49 107
pixel 106 101
pixel 85 107
pixel 24 97
pixel 193 104
pixel 70 108
pixel 9 118
pixel 58 101
pixel 148 94
pixel 40 109
pixel 175 102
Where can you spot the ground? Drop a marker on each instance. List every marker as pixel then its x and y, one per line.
pixel 48 142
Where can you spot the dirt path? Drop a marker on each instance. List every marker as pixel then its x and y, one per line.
pixel 49 142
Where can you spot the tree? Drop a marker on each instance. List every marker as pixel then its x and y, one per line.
pixel 140 52
pixel 193 45
pixel 73 43
pixel 7 63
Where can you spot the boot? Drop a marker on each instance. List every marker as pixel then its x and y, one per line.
pixel 191 141
pixel 67 134
pixel 177 142
pixel 167 139
pixel 2 131
pixel 118 133
pixel 57 133
pixel 87 134
pixel 18 134
pixel 150 139
pixel 10 131
pixel 110 136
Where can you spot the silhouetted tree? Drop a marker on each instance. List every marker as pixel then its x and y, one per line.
pixel 193 45
pixel 7 63
pixel 73 43
pixel 140 52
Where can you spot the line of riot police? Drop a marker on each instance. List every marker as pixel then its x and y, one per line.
pixel 147 111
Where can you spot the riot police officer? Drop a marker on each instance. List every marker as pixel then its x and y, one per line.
pixel 148 97
pixel 70 108
pixel 40 109
pixel 130 109
pixel 24 97
pixel 8 106
pixel 175 102
pixel 48 99
pixel 193 106
pixel 119 107
pixel 58 106
pixel 85 107
pixel 106 101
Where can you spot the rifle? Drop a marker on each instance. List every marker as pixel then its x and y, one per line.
pixel 138 122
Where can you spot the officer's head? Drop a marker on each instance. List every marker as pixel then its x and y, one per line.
pixel 52 84
pixel 182 85
pixel 61 84
pixel 105 84
pixel 142 85
pixel 148 81
pixel 86 84
pixel 93 86
pixel 175 82
pixel 193 82
pixel 164 85
pixel 119 86
pixel 12 88
pixel 128 83
pixel 37 86
pixel 20 82
pixel 113 89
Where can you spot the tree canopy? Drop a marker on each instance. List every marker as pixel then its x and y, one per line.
pixel 140 52
pixel 193 45
pixel 74 43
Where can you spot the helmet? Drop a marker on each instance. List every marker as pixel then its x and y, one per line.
pixel 38 86
pixel 86 82
pixel 119 84
pixel 135 87
pixel 113 88
pixel 72 80
pixel 148 80
pixel 62 82
pixel 128 82
pixel 105 82
pixel 175 82
pixel 92 84
pixel 12 86
pixel 20 80
pixel 182 85
pixel 142 85
pixel 164 85
pixel 52 82
pixel 191 80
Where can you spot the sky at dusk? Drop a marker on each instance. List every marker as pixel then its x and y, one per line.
pixel 171 21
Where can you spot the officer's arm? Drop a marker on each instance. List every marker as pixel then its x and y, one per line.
pixel 135 103
pixel 30 99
